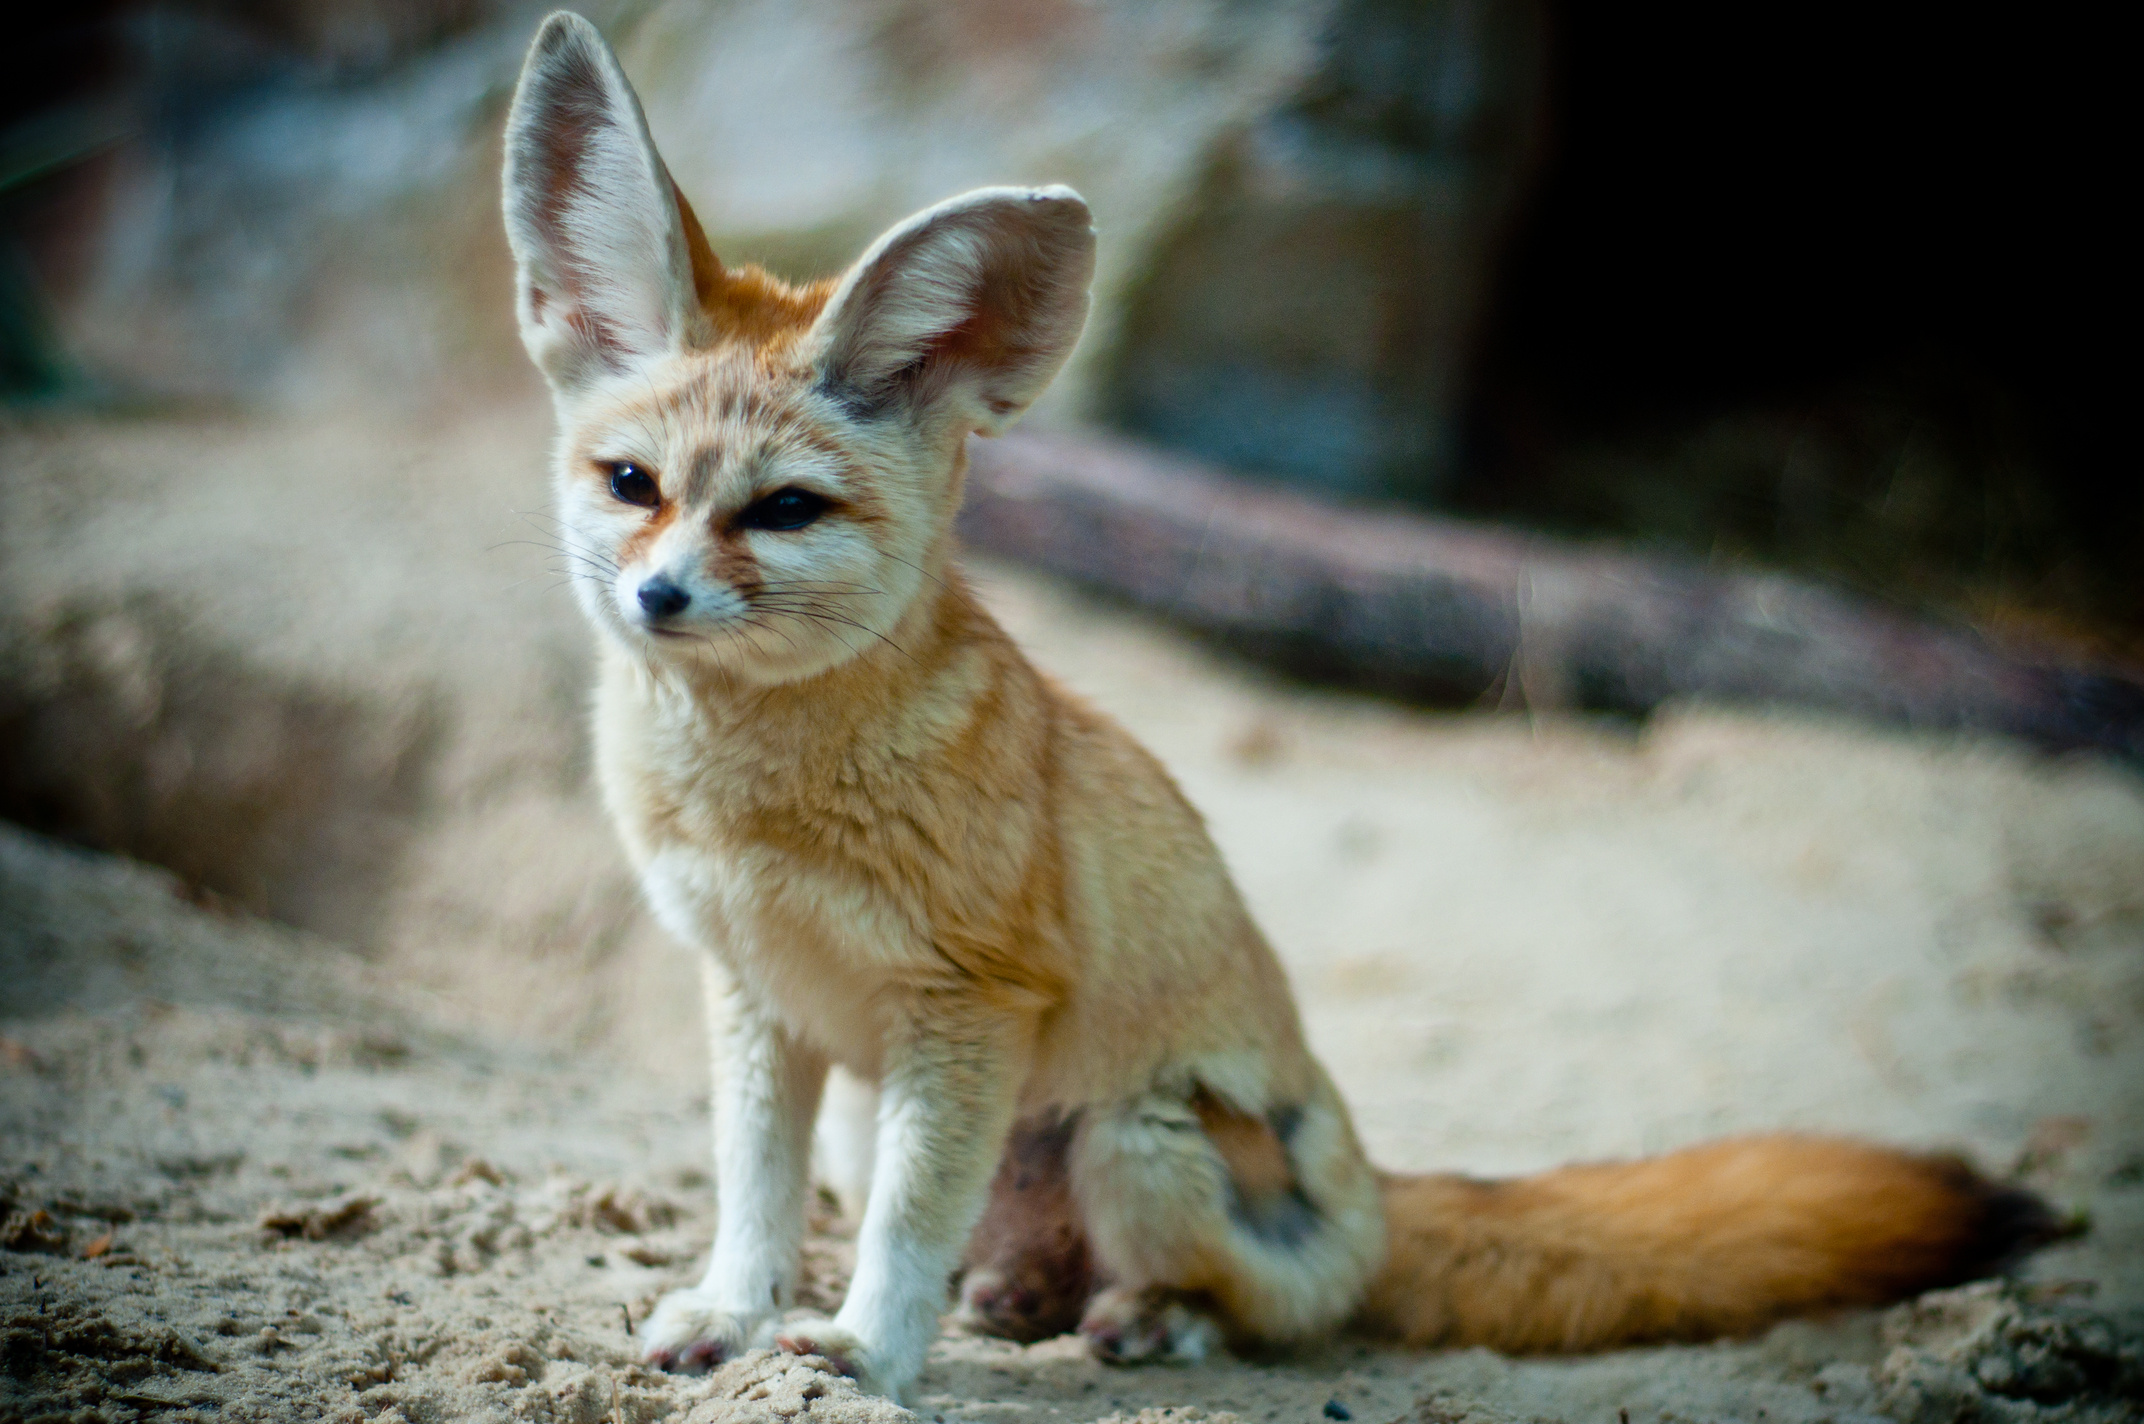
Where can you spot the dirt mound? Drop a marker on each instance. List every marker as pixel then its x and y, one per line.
pixel 326 674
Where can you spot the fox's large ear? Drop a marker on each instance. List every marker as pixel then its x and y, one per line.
pixel 604 263
pixel 966 309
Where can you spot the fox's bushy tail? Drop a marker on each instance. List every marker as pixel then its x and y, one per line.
pixel 1716 1240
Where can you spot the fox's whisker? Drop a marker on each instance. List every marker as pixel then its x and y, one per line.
pixel 602 567
pixel 847 590
pixel 578 540
pixel 845 643
pixel 822 616
pixel 918 568
pixel 755 622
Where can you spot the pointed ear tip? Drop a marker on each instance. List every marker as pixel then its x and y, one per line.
pixel 1061 207
pixel 564 29
pixel 560 23
pixel 1057 195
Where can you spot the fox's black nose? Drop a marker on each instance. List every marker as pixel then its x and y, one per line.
pixel 661 598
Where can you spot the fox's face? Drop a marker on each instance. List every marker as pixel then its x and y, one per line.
pixel 760 477
pixel 715 509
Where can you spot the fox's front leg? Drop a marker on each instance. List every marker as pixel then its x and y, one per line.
pixel 945 1105
pixel 766 1092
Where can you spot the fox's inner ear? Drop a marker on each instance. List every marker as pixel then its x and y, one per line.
pixel 605 261
pixel 966 309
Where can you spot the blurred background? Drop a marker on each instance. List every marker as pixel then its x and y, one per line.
pixel 1824 287
pixel 1803 309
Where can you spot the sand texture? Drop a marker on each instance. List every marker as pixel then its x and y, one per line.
pixel 384 1100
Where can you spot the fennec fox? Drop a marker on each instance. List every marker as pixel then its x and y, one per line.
pixel 903 850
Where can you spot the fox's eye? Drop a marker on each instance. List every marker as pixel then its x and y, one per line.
pixel 634 485
pixel 791 508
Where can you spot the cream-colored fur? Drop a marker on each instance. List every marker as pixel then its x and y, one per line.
pixel 899 848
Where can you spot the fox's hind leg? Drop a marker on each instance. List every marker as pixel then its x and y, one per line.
pixel 1214 1221
pixel 1028 1272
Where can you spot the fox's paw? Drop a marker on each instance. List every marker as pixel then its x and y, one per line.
pixel 839 1347
pixel 688 1333
pixel 1129 1327
pixel 996 1302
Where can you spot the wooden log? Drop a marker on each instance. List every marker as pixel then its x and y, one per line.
pixel 1452 613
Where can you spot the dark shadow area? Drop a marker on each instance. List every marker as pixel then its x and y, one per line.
pixel 1831 288
pixel 59 73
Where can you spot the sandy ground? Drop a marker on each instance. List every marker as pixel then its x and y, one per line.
pixel 423 1156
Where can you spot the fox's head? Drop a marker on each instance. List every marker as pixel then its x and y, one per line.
pixel 758 475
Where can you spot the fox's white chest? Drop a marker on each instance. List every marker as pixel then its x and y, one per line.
pixel 816 945
pixel 817 952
